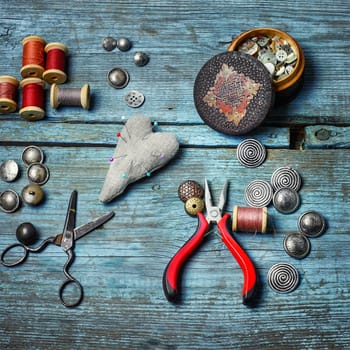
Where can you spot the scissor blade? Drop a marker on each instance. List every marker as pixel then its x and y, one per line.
pixel 71 213
pixel 82 230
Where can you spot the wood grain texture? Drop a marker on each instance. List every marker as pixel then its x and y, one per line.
pixel 120 265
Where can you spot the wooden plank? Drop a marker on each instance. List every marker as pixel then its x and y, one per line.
pixel 326 136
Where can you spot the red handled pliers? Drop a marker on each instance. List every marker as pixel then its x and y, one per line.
pixel 214 215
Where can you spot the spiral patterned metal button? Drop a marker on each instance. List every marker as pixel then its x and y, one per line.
pixel 296 245
pixel 258 193
pixel 285 177
pixel 251 153
pixel 283 278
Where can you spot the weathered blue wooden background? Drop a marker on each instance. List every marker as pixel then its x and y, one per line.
pixel 121 265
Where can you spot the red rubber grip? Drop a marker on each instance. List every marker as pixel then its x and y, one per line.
pixel 172 271
pixel 250 278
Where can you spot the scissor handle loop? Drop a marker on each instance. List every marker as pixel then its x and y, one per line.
pixel 63 286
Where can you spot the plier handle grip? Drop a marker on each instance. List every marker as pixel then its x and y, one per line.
pixel 214 215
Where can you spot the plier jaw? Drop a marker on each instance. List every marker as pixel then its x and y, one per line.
pixel 214 213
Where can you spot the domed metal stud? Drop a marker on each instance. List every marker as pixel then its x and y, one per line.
pixel 118 78
pixel 109 43
pixel 32 194
pixel 285 177
pixel 141 59
pixel 134 99
pixel 258 193
pixel 296 245
pixel 194 205
pixel 251 153
pixel 189 189
pixel 286 200
pixel 311 224
pixel 9 170
pixel 38 173
pixel 32 154
pixel 123 44
pixel 283 278
pixel 26 233
pixel 9 201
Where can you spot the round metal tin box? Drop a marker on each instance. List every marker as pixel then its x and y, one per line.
pixel 233 93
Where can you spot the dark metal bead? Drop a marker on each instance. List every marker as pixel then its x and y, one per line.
pixel 109 43
pixel 285 177
pixel 118 78
pixel 9 170
pixel 26 233
pixel 32 194
pixel 9 201
pixel 32 154
pixel 258 193
pixel 38 173
pixel 311 224
pixel 286 200
pixel 251 153
pixel 283 278
pixel 141 59
pixel 296 245
pixel 194 205
pixel 134 99
pixel 189 189
pixel 123 44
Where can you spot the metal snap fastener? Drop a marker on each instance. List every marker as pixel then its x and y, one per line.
pixel 296 245
pixel 286 177
pixel 286 200
pixel 38 173
pixel 134 99
pixel 189 189
pixel 258 193
pixel 123 44
pixel 9 201
pixel 32 154
pixel 118 78
pixel 283 278
pixel 32 194
pixel 311 224
pixel 109 43
pixel 9 170
pixel 194 205
pixel 141 59
pixel 251 153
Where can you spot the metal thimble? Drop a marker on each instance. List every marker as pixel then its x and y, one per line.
pixel 9 201
pixel 118 78
pixel 38 173
pixel 32 154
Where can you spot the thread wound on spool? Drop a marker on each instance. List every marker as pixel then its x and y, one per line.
pixel 33 57
pixel 33 104
pixel 8 94
pixel 55 68
pixel 70 96
pixel 249 219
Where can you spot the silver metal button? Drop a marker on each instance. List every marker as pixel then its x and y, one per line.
pixel 123 44
pixel 9 201
pixel 109 43
pixel 251 153
pixel 118 78
pixel 296 245
pixel 32 154
pixel 38 173
pixel 258 193
pixel 32 194
pixel 283 278
pixel 9 170
pixel 134 99
pixel 311 224
pixel 286 200
pixel 286 177
pixel 141 59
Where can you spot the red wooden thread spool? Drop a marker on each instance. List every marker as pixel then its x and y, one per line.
pixel 8 94
pixel 33 58
pixel 249 219
pixel 55 68
pixel 33 104
pixel 70 96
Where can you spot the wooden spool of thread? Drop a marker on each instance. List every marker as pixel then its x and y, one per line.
pixel 70 96
pixel 8 94
pixel 55 67
pixel 33 58
pixel 33 104
pixel 249 219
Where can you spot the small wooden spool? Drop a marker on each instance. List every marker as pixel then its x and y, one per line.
pixel 33 63
pixel 258 225
pixel 8 103
pixel 56 97
pixel 33 110
pixel 55 63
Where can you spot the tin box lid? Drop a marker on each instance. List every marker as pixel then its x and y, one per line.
pixel 233 93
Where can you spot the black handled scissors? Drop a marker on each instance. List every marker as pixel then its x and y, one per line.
pixel 66 241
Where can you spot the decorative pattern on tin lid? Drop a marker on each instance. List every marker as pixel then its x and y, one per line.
pixel 233 93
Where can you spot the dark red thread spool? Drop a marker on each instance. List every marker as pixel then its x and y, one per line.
pixel 33 104
pixel 8 94
pixel 33 57
pixel 249 219
pixel 55 68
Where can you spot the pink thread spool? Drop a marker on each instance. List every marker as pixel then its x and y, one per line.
pixel 55 68
pixel 8 94
pixel 249 219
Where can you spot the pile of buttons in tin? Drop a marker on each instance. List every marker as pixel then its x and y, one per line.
pixel 275 53
pixel 37 173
